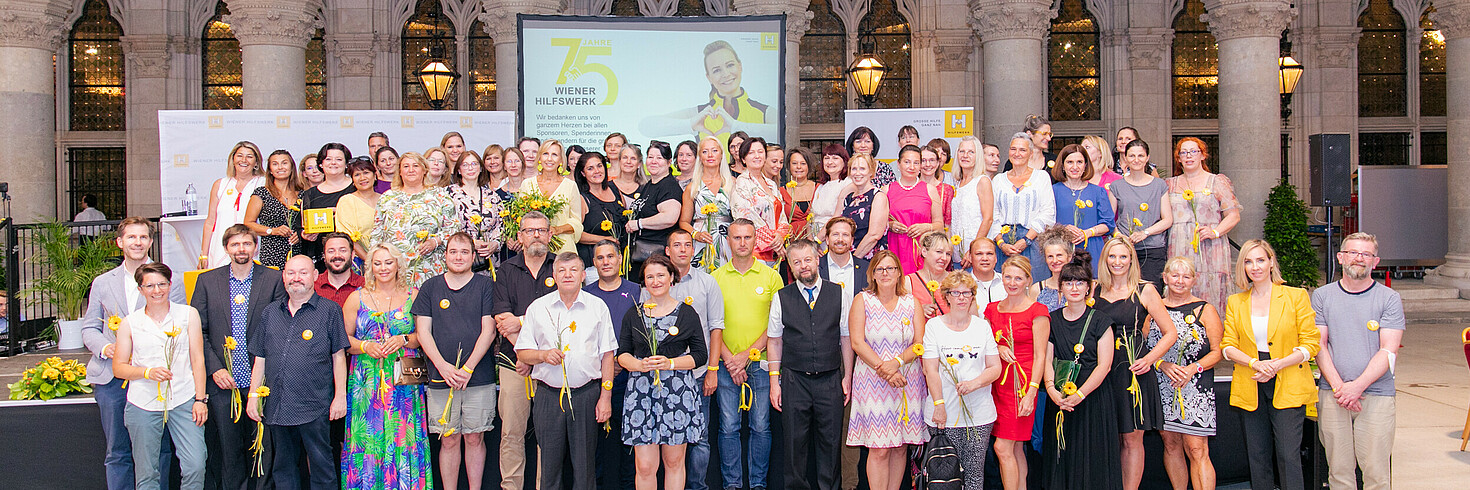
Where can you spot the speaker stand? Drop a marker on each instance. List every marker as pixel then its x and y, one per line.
pixel 1331 268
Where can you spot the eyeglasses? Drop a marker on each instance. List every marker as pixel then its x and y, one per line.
pixel 1189 153
pixel 887 269
pixel 535 231
pixel 1042 133
pixel 960 293
pixel 1358 255
pixel 155 286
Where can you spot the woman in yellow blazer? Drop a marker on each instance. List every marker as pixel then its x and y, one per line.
pixel 1270 334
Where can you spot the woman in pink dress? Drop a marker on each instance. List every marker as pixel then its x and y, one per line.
pixel 888 388
pixel 1020 324
pixel 914 209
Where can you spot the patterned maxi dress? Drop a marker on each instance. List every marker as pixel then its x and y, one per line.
pixel 877 408
pixel 405 220
pixel 1213 258
pixel 386 445
pixel 716 225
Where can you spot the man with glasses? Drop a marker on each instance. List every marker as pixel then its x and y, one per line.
pixel 809 322
pixel 1362 323
pixel 748 285
pixel 519 281
pixel 115 294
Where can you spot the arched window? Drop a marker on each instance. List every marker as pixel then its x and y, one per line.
pixel 823 63
pixel 891 32
pixel 96 70
pixel 428 33
pixel 1382 71
pixel 694 8
pixel 316 80
pixel 625 8
pixel 1196 65
pixel 1073 66
pixel 1431 68
pixel 220 53
pixel 482 68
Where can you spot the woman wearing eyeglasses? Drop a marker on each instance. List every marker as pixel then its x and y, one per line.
pixel 1205 210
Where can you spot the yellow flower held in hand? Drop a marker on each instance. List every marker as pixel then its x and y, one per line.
pixel 1069 389
pixel 572 327
pixel 918 349
pixel 263 391
pixel 1005 229
pixel 1079 204
pixel 606 225
pixel 956 240
pixel 791 185
pixel 114 322
pixel 952 361
pixel 1137 222
pixel 627 212
pixel 755 354
pixel 422 234
pixel 504 213
pixel 476 219
pixel 230 343
pixel 932 285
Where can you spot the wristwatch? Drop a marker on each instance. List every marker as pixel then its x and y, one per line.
pixel 202 400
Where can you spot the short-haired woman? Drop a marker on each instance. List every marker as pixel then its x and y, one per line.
pixel 960 364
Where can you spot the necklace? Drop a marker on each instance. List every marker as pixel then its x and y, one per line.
pixel 908 187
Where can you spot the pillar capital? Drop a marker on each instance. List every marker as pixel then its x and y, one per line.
pixel 1148 47
pixel 499 16
pixel 1232 19
pixel 33 24
pixel 148 56
pixel 274 22
pixel 798 18
pixel 994 20
pixel 1452 17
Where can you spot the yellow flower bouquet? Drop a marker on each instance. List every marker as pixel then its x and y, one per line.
pixel 526 202
pixel 51 378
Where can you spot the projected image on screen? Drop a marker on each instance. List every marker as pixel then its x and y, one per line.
pixel 669 79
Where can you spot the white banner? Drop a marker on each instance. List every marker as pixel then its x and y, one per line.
pixel 670 79
pixel 194 144
pixel 950 123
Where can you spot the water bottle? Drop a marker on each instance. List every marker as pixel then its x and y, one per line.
pixel 191 201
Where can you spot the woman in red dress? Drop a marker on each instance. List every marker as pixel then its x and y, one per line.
pixel 1020 324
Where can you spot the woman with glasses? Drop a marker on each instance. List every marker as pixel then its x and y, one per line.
pixel 1081 434
pixel 438 170
pixel 1038 133
pixel 1205 210
pixel 478 208
pixel 888 388
pixel 960 364
pixel 357 211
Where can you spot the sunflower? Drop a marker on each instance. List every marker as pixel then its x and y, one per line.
pixel 952 361
pixel 606 225
pixel 1069 388
pixel 918 349
pixel 1188 195
pixel 932 285
pixel 956 240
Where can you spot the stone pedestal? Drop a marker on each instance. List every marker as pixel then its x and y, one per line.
pixel 1453 19
pixel 1249 34
pixel 273 35
pixel 1014 86
pixel 30 34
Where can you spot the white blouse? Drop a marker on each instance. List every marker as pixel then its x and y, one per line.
pixel 1032 205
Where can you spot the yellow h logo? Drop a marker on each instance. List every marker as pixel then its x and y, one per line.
pixel 957 123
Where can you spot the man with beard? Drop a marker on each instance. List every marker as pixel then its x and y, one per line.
pixel 700 290
pixel 230 299
pixel 339 282
pixel 115 294
pixel 1362 323
pixel 520 280
pixel 452 315
pixel 809 322
pixel 300 355
pixel 851 274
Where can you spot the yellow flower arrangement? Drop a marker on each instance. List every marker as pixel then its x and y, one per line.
pixel 791 185
pixel 710 208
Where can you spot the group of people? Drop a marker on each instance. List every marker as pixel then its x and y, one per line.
pixel 1058 306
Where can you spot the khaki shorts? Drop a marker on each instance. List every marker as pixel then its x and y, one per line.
pixel 471 411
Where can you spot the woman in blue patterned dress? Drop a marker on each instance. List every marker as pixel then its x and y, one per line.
pixel 661 344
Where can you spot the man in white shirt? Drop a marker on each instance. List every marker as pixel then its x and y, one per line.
pixel 841 267
pixel 568 339
pixel 988 287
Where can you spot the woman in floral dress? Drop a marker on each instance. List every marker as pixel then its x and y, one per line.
pixel 415 220
pixel 386 445
pixel 477 207
pixel 710 191
pixel 888 388
pixel 1205 210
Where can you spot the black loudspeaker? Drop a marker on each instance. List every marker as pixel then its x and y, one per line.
pixel 1331 169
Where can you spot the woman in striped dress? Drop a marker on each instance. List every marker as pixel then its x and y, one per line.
pixel 888 387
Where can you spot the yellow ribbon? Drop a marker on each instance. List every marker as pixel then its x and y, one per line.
pixel 235 405
pixel 444 417
pixel 1179 397
pixel 747 396
pixel 530 388
pixel 1061 438
pixel 258 445
pixel 903 405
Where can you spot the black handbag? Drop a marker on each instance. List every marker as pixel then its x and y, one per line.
pixel 942 469
pixel 410 371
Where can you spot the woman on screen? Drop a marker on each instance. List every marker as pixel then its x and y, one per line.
pixel 729 108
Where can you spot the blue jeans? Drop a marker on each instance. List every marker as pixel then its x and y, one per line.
pixel 112 402
pixel 759 452
pixel 145 430
pixel 696 462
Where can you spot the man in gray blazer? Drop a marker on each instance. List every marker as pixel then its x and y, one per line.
pixel 115 295
pixel 229 298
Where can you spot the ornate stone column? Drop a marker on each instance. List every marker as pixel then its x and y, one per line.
pixel 31 32
pixel 149 65
pixel 1011 35
pixel 1249 34
pixel 1453 19
pixel 798 20
pixel 273 35
pixel 499 19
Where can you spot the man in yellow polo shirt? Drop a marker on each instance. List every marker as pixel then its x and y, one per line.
pixel 747 286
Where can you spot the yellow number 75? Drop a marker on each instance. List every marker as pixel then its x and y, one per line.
pixel 575 65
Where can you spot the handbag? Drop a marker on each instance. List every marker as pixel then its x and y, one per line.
pixel 1065 371
pixel 642 250
pixel 410 371
pixel 941 467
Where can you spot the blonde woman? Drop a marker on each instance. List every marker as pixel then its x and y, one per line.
pixel 1186 382
pixel 961 361
pixel 712 185
pixel 1270 334
pixel 229 198
pixel 566 225
pixel 415 220
pixel 887 388
pixel 438 167
pixel 1102 162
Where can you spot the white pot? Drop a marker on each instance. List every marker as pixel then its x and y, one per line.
pixel 69 334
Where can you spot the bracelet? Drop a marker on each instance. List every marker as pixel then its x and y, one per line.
pixel 146 371
pixel 1200 368
pixel 774 373
pixel 939 402
pixel 899 358
pixel 1034 384
pixel 1158 363
pixel 607 385
pixel 467 369
pixel 671 364
pixel 1081 396
pixel 253 394
pixel 203 257
pixel 714 367
pixel 1252 364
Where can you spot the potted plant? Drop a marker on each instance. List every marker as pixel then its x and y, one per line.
pixel 1285 228
pixel 67 271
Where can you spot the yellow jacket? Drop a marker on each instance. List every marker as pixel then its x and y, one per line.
pixel 1292 324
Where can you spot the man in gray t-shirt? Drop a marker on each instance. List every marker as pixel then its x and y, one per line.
pixel 1362 323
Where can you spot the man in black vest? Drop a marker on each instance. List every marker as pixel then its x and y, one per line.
pixel 809 322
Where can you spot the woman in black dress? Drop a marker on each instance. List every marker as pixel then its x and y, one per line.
pixel 270 212
pixel 603 205
pixel 866 206
pixel 1081 441
pixel 655 206
pixel 323 197
pixel 1134 310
